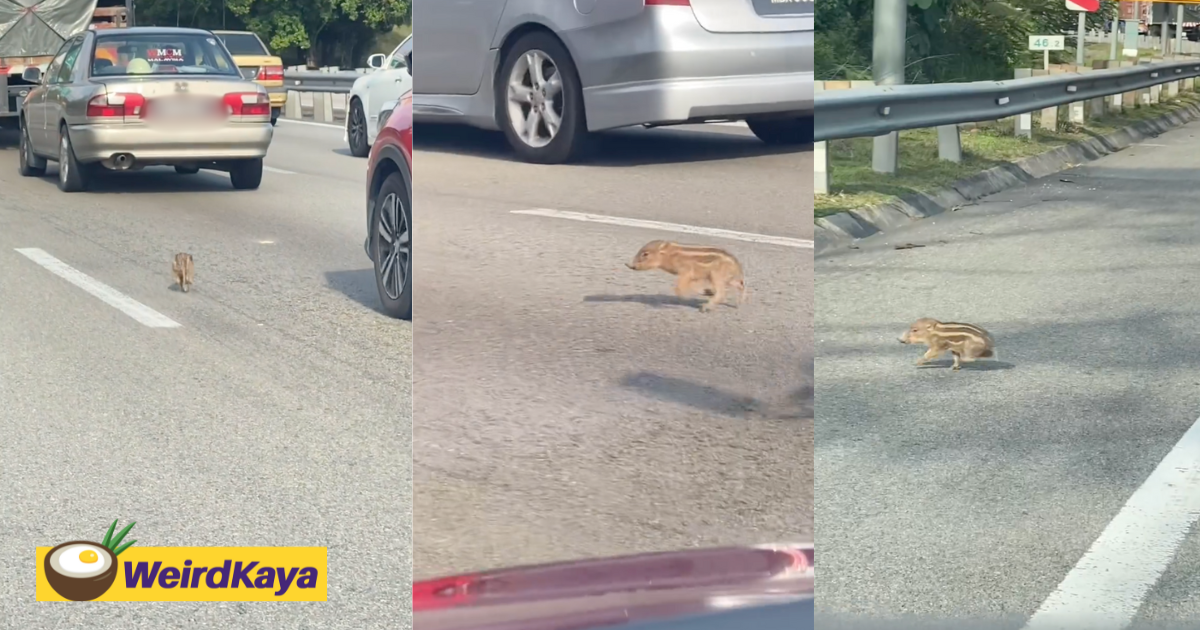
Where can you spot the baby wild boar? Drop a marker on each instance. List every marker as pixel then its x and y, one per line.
pixel 183 271
pixel 965 341
pixel 710 269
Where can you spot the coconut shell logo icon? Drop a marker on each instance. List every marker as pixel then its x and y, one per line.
pixel 82 570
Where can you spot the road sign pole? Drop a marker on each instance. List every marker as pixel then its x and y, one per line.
pixel 1116 28
pixel 1081 42
pixel 1164 31
pixel 1178 29
pixel 891 21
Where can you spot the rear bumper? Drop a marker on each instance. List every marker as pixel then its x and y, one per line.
pixel 663 67
pixel 278 96
pixel 94 143
pixel 736 97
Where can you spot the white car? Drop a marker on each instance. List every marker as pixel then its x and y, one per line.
pixel 390 80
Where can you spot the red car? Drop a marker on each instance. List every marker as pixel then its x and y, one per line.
pixel 769 587
pixel 389 208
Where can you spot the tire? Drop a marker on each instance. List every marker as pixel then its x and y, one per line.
pixel 187 170
pixel 570 140
pixel 28 164
pixel 72 176
pixel 394 280
pixel 246 174
pixel 783 131
pixel 275 116
pixel 356 130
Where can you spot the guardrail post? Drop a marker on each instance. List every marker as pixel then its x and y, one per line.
pixel 949 143
pixel 1155 91
pixel 821 168
pixel 1130 99
pixel 291 109
pixel 1049 116
pixel 323 107
pixel 820 157
pixel 1024 122
pixel 1095 106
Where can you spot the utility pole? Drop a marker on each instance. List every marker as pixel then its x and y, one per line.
pixel 887 65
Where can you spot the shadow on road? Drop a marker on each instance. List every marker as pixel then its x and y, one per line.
pixel 656 301
pixel 156 180
pixel 795 405
pixel 620 148
pixel 358 285
pixel 703 397
pixel 979 366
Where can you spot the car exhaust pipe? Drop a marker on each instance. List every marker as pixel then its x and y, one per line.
pixel 122 161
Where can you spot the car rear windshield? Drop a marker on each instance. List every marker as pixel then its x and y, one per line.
pixel 147 54
pixel 246 44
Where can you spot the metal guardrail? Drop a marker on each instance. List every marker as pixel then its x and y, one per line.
pixel 881 110
pixel 315 81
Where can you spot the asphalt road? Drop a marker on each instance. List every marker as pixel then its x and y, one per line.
pixel 277 414
pixel 568 407
pixel 962 496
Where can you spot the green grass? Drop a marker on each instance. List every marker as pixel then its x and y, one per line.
pixel 855 185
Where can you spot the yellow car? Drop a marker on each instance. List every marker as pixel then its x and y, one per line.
pixel 257 64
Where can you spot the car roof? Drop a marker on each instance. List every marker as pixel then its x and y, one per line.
pixel 235 33
pixel 152 30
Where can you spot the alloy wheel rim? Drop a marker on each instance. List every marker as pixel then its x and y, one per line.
pixel 535 99
pixel 393 246
pixel 63 163
pixel 357 125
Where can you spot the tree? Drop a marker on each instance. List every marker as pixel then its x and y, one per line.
pixel 318 31
pixel 322 28
pixel 947 40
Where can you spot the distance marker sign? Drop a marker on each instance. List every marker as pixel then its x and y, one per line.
pixel 1087 6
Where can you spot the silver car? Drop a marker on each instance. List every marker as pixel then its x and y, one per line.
pixel 549 72
pixel 120 99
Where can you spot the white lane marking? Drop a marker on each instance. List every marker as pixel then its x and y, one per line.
pixel 110 296
pixel 669 227
pixel 311 123
pixel 1107 587
pixel 272 169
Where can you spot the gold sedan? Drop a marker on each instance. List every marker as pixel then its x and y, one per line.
pixel 129 98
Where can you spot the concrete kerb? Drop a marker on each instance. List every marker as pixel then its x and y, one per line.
pixel 842 229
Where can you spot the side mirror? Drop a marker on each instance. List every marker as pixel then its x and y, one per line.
pixel 376 61
pixel 32 75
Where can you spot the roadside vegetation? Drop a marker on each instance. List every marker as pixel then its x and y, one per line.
pixel 303 32
pixel 953 41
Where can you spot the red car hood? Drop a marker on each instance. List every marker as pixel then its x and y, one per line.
pixel 615 591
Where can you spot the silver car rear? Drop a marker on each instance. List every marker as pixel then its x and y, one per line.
pixel 547 73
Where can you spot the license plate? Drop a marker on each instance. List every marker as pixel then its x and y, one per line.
pixel 176 109
pixel 769 8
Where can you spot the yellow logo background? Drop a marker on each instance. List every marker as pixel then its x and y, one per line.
pixel 287 558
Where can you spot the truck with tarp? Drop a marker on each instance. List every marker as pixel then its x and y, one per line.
pixel 31 31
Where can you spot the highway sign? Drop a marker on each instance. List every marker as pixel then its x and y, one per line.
pixel 1047 42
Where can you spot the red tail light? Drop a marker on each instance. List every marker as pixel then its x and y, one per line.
pixel 247 104
pixel 119 105
pixel 270 73
pixel 442 593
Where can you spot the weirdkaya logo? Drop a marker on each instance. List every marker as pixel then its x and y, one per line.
pixel 82 570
